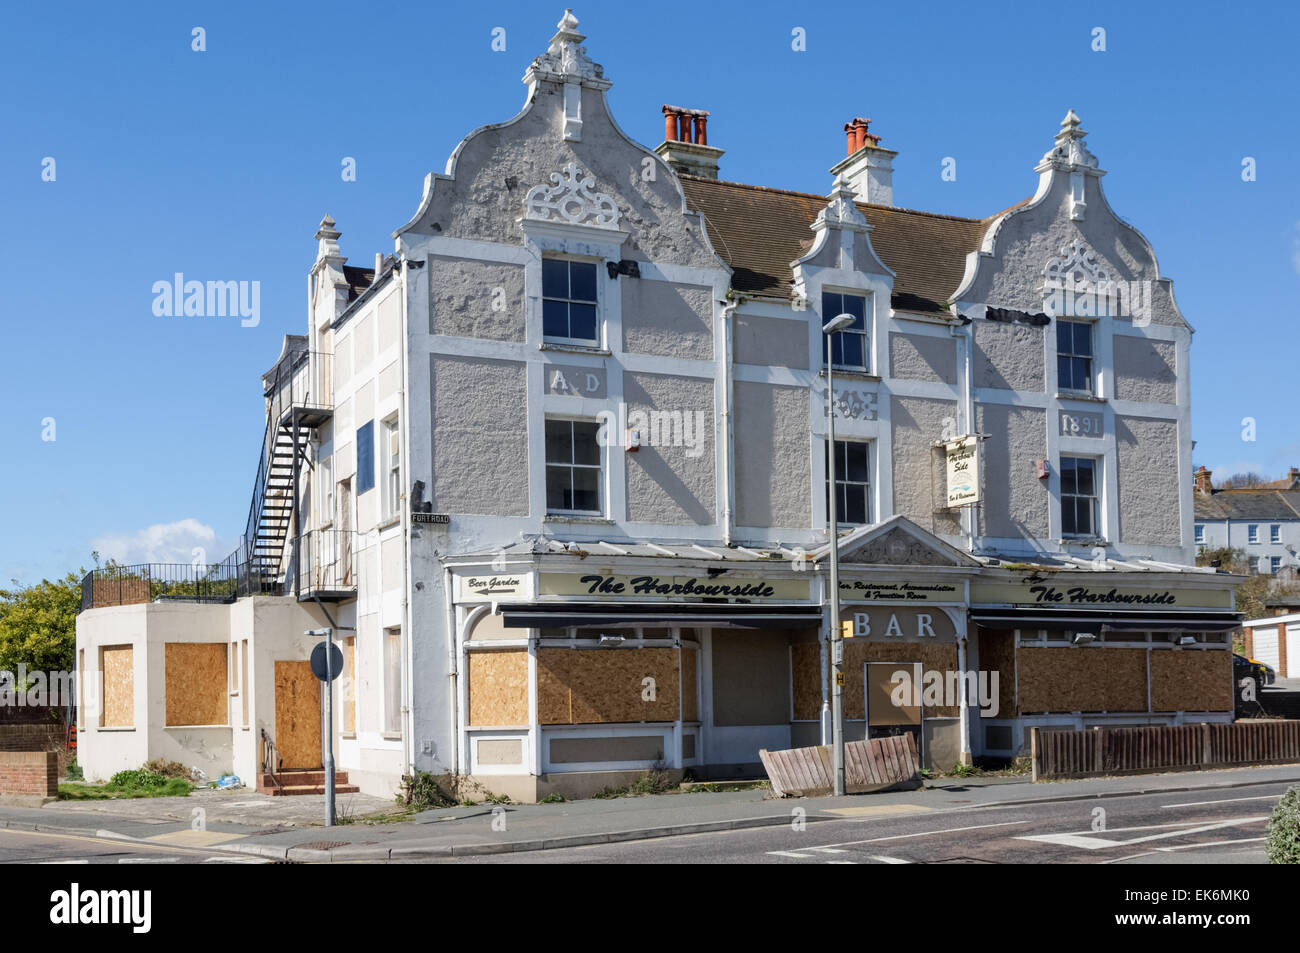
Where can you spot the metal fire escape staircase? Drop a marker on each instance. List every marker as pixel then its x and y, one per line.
pixel 298 403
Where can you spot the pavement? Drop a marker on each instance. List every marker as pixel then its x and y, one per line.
pixel 291 828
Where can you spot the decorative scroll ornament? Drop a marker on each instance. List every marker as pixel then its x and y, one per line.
pixel 1069 151
pixel 1077 266
pixel 842 210
pixel 571 199
pixel 566 55
pixel 897 548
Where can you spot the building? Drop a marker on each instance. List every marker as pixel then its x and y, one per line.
pixel 1262 521
pixel 556 471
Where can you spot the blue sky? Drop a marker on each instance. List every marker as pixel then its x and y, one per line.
pixel 220 164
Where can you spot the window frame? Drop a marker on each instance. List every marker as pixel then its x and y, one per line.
pixel 1252 532
pixel 392 660
pixel 1275 532
pixel 1274 565
pixel 1198 533
pixel 572 465
pixel 841 511
pixel 392 488
pixel 864 332
pixel 595 302
pixel 1095 496
pixel 1071 355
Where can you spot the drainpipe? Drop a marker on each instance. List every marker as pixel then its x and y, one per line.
pixel 728 427
pixel 965 332
pixel 453 659
pixel 404 421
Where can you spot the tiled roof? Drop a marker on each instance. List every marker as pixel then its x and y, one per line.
pixel 760 231
pixel 1252 504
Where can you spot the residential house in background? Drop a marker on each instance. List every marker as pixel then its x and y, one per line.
pixel 1263 521
pixel 556 472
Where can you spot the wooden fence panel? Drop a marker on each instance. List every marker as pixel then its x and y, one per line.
pixel 873 765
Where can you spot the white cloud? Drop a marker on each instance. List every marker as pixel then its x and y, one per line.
pixel 163 543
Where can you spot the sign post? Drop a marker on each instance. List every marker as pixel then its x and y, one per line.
pixel 326 665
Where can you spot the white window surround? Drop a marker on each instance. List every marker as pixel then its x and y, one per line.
pixel 1252 533
pixel 1097 495
pixel 596 343
pixel 601 468
pixel 391 461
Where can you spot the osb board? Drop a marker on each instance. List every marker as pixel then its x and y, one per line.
pixel 806 680
pixel 297 715
pixel 690 686
pixel 594 686
pixel 498 688
pixel 1082 679
pixel 195 675
pixel 940 657
pixel 883 694
pixel 1191 680
pixel 117 662
pixel 349 684
pixel 997 653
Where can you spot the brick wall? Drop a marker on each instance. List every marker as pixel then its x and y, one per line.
pixel 37 739
pixel 29 772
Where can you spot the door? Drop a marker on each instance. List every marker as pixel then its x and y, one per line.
pixel 297 715
pixel 1292 653
pixel 1266 647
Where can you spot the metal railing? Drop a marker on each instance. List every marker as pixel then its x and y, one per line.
pixel 269 758
pixel 326 561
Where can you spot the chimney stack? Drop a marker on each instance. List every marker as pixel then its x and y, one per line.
pixel 686 142
pixel 1293 477
pixel 868 168
pixel 1203 484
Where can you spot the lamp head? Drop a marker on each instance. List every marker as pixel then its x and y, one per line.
pixel 837 323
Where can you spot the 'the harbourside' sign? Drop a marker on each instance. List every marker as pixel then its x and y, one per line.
pixel 610 586
pixel 1073 594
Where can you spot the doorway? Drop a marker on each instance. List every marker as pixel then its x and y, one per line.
pixel 297 715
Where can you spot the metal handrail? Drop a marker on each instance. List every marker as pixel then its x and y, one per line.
pixel 269 748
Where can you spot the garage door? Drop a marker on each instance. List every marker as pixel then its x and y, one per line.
pixel 1292 652
pixel 1266 648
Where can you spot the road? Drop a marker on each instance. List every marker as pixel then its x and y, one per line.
pixel 43 847
pixel 1219 827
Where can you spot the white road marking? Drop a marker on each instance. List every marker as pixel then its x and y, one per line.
pixel 891 860
pixel 1262 797
pixel 65 861
pixel 946 830
pixel 789 853
pixel 1215 843
pixel 1089 841
pixel 828 850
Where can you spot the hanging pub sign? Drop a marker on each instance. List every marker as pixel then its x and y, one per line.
pixel 963 459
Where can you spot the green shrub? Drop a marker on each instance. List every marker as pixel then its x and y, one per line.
pixel 134 780
pixel 1284 829
pixel 74 772
pixel 425 790
pixel 552 799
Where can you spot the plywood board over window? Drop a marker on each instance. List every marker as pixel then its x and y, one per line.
pixel 601 686
pixel 1191 680
pixel 195 675
pixel 1082 679
pixel 498 688
pixel 117 663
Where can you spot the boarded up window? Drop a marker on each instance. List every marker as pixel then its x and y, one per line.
pixel 350 684
pixel 1082 679
pixel 392 680
pixel 243 679
pixel 498 688
pixel 1191 681
pixel 117 665
pixel 594 686
pixel 196 682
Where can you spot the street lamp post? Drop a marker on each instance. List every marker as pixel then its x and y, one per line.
pixel 838 323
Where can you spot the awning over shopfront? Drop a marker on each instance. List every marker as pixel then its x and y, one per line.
pixel 1085 621
pixel 562 615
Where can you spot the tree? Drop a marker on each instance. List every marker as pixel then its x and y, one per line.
pixel 1243 481
pixel 1256 589
pixel 38 624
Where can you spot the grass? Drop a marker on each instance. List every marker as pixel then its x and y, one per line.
pixel 173 787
